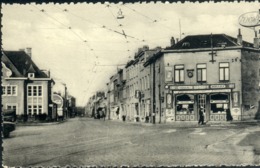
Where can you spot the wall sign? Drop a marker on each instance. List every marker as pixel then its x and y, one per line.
pixel 195 87
pixel 169 100
pixel 235 100
pixel 168 74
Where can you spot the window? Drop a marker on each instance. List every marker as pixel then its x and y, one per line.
pixel 35 90
pixel 11 106
pixel 224 71
pixel 31 75
pixel 34 100
pixel 10 90
pixel 3 90
pixel 29 109
pixel 179 73
pixel 201 72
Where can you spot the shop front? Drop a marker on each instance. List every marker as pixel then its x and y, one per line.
pixel 214 100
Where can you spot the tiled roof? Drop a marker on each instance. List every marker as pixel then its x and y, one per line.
pixel 24 64
pixel 207 41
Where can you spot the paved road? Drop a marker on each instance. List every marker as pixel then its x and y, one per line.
pixel 84 141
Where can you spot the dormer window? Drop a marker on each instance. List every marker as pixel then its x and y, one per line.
pixel 31 75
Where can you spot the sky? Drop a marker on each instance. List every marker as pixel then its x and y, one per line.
pixel 83 44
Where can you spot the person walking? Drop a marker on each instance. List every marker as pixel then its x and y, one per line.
pixel 201 115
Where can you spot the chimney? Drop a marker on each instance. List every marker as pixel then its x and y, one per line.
pixel 239 38
pixel 172 41
pixel 145 47
pixel 29 51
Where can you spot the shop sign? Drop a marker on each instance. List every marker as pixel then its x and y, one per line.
pixel 186 102
pixel 213 86
pixel 217 86
pixel 250 19
pixel 201 87
pixel 202 91
pixel 218 101
pixel 169 100
pixel 235 99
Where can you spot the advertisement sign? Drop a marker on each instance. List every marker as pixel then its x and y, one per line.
pixel 57 99
pixel 250 19
pixel 235 99
pixel 169 100
pixel 168 74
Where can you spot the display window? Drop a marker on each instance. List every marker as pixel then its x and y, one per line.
pixel 219 103
pixel 185 104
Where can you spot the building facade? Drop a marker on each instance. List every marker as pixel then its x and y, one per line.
pixel 25 87
pixel 213 72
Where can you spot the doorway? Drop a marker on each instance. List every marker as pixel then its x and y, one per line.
pixel 202 104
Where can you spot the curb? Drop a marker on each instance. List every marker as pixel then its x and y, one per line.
pixel 39 124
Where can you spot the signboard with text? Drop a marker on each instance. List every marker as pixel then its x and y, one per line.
pixel 235 99
pixel 199 87
pixel 250 19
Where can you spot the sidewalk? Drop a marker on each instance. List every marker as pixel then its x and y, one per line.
pixel 38 123
pixel 195 123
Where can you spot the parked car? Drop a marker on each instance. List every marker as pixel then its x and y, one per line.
pixel 9 122
pixel 8 127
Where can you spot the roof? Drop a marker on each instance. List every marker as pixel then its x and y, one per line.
pixel 207 41
pixel 23 63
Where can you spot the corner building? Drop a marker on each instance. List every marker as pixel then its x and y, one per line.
pixel 216 72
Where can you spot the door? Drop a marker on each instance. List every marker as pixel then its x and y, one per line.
pixel 202 104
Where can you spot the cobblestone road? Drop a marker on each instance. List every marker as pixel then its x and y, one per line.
pixel 84 141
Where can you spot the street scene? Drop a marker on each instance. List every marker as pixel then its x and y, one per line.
pixel 84 141
pixel 131 84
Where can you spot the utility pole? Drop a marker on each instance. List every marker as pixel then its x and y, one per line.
pixel 154 102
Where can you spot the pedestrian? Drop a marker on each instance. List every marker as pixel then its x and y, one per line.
pixel 104 114
pixel 228 115
pixel 201 115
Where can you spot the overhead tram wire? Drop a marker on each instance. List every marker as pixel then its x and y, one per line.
pixel 70 29
pixel 99 25
pixel 147 17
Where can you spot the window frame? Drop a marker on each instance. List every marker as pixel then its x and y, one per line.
pixel 224 72
pixel 13 88
pixel 179 70
pixel 201 73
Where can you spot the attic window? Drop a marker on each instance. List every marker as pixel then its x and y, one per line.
pixel 31 75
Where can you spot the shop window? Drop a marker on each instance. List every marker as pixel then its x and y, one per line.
pixel 179 73
pixel 224 71
pixel 219 103
pixel 201 73
pixel 185 104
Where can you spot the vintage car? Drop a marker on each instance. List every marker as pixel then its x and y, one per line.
pixel 9 122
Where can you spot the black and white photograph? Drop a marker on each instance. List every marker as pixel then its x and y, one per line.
pixel 130 84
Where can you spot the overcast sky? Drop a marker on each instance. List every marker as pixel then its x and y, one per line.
pixel 80 45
